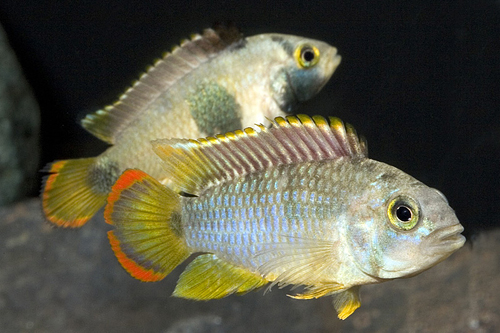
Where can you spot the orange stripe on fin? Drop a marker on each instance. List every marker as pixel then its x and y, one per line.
pixel 136 270
pixel 127 179
pixel 68 198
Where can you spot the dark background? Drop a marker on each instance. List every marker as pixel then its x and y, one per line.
pixel 419 79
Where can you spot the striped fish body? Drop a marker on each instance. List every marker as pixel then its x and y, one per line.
pixel 213 83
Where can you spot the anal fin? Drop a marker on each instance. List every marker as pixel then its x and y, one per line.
pixel 208 277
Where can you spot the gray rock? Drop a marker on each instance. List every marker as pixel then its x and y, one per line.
pixel 19 129
pixel 59 280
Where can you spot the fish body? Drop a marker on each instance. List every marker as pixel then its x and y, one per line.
pixel 213 83
pixel 297 204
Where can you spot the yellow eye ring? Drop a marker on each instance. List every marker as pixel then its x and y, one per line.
pixel 403 212
pixel 306 56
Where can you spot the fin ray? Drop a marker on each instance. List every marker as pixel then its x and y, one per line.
pixel 108 123
pixel 68 198
pixel 193 165
pixel 319 291
pixel 208 277
pixel 347 302
pixel 299 261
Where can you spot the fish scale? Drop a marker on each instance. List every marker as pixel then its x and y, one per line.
pixel 274 212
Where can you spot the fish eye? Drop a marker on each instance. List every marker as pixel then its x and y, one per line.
pixel 306 56
pixel 403 212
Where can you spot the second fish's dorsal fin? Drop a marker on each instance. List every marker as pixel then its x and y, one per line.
pixel 107 123
pixel 193 165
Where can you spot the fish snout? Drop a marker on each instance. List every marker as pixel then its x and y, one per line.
pixel 446 240
pixel 334 61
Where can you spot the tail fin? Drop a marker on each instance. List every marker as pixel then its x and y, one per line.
pixel 68 198
pixel 148 240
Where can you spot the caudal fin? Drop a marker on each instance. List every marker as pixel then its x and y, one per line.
pixel 68 198
pixel 148 239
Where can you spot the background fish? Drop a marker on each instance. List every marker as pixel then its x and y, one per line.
pixel 213 83
pixel 297 204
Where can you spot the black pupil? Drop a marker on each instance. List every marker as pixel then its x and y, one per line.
pixel 308 55
pixel 403 213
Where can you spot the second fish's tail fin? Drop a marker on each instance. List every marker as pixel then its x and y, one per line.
pixel 148 238
pixel 69 198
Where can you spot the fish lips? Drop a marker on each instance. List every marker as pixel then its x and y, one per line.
pixel 445 241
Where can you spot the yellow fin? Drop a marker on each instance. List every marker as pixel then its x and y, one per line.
pixel 147 239
pixel 347 302
pixel 208 277
pixel 69 199
pixel 319 291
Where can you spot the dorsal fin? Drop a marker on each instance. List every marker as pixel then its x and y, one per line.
pixel 107 123
pixel 193 165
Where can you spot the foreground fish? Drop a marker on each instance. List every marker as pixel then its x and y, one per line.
pixel 297 204
pixel 213 83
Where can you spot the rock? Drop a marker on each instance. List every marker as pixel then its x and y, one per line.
pixel 19 129
pixel 59 280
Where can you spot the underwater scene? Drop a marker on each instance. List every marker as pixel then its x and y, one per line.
pixel 249 166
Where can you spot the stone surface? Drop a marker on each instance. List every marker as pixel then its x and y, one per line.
pixel 19 129
pixel 58 280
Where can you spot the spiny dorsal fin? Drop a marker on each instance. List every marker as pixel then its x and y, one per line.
pixel 106 124
pixel 193 165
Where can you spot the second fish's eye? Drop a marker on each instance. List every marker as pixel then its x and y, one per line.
pixel 307 56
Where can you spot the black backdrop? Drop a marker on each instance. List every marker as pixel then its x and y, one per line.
pixel 419 79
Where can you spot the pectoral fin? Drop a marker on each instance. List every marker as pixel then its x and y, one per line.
pixel 208 277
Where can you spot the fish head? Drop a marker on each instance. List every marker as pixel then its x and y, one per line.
pixel 403 229
pixel 302 71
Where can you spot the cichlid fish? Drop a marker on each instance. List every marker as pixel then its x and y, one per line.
pixel 215 82
pixel 297 204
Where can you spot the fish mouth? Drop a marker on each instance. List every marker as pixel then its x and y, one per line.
pixel 448 239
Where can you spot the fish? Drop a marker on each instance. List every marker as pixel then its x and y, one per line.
pixel 299 204
pixel 215 82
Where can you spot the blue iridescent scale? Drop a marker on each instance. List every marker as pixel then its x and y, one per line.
pixel 251 215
